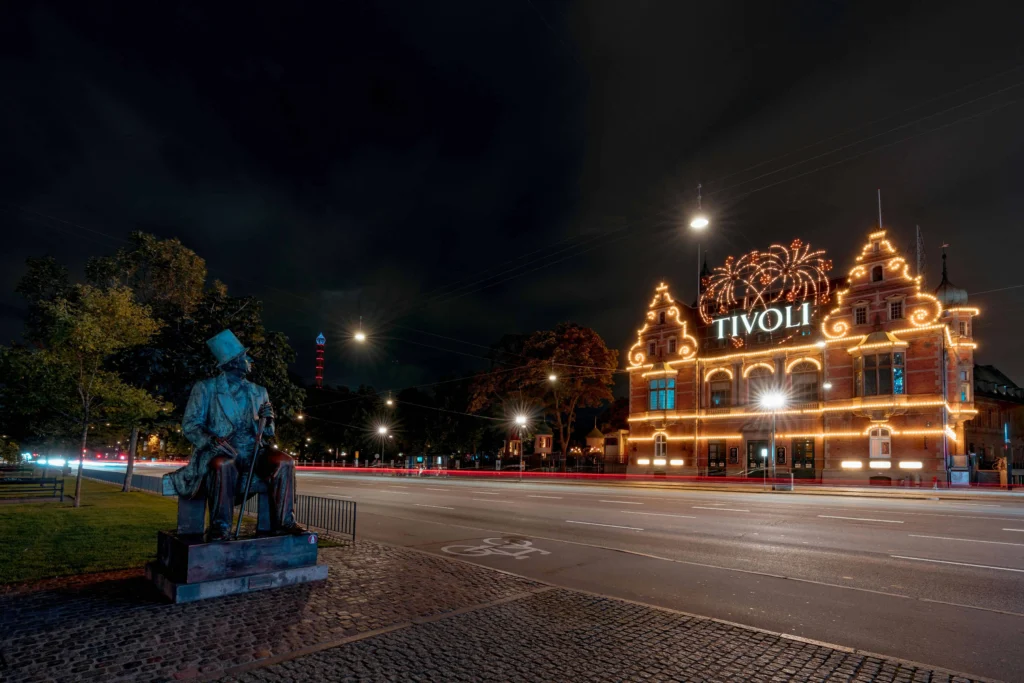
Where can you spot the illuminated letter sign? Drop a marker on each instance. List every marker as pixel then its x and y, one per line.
pixel 768 320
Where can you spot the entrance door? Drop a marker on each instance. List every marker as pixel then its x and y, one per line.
pixel 716 458
pixel 803 459
pixel 758 458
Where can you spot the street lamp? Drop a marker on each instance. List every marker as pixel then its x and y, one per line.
pixel 521 423
pixel 552 377
pixel 773 401
pixel 382 430
pixel 360 336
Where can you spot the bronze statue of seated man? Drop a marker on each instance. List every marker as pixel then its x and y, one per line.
pixel 222 422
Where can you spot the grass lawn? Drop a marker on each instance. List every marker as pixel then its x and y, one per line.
pixel 112 530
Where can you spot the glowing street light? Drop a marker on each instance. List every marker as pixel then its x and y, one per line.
pixel 553 377
pixel 699 222
pixel 300 417
pixel 521 420
pixel 360 336
pixel 826 386
pixel 382 430
pixel 773 401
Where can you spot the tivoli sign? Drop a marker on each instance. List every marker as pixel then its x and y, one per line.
pixel 768 320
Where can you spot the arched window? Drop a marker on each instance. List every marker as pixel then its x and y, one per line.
pixel 720 390
pixel 759 382
pixel 876 274
pixel 880 443
pixel 804 377
pixel 660 446
pixel 661 318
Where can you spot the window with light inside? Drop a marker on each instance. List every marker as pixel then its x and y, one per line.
pixel 880 374
pixel 662 394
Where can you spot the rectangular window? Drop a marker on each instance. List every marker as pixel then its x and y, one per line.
pixel 805 386
pixel 734 456
pixel 672 345
pixel 963 329
pixel 716 454
pixel 721 394
pixel 662 394
pixel 964 392
pixel 963 375
pixel 858 376
pixel 895 310
pixel 780 455
pixel 884 373
pixel 870 376
pixel 899 382
pixel 652 349
pixel 860 315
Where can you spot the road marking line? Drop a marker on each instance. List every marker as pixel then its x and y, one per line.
pixel 620 502
pixel 433 489
pixel 656 514
pixel 863 519
pixel 488 493
pixel 397 493
pixel 396 487
pixel 613 526
pixel 1013 529
pixel 492 500
pixel 968 540
pixel 554 497
pixel 962 564
pixel 442 507
pixel 698 507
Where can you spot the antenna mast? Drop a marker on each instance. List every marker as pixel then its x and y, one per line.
pixel 880 209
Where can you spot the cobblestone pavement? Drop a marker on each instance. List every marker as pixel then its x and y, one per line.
pixel 448 621
pixel 122 630
pixel 563 635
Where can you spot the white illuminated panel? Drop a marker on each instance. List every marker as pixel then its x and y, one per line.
pixel 910 464
pixel 643 461
pixel 881 464
pixel 660 462
pixel 852 464
pixel 675 462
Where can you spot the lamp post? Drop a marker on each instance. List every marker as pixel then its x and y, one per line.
pixel 521 424
pixel 699 222
pixel 773 401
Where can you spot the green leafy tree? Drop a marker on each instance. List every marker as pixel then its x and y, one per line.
pixel 85 332
pixel 134 408
pixel 10 453
pixel 583 365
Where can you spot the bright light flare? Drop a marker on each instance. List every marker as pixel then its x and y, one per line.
pixel 360 336
pixel 521 420
pixel 826 386
pixel 552 377
pixel 773 400
pixel 382 430
pixel 699 222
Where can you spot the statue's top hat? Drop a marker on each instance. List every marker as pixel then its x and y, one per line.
pixel 225 347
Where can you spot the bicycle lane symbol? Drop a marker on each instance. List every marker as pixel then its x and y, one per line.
pixel 520 549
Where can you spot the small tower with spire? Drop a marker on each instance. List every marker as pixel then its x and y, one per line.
pixel 321 341
pixel 959 317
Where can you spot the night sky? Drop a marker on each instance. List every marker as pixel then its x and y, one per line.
pixel 475 168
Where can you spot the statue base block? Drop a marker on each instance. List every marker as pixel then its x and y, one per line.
pixel 188 569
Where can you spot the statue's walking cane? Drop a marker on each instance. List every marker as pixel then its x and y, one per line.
pixel 248 476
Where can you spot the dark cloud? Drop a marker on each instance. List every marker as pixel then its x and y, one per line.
pixel 472 169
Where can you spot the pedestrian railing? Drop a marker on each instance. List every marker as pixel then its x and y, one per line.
pixel 335 516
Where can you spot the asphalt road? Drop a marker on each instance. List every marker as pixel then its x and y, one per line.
pixel 935 581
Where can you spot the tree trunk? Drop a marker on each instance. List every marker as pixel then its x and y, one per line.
pixel 81 461
pixel 130 468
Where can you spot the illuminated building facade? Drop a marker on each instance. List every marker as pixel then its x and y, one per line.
pixel 876 374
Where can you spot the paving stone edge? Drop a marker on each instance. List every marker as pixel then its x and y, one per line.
pixel 786 636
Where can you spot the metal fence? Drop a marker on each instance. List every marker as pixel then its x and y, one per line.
pixel 333 515
pixel 140 482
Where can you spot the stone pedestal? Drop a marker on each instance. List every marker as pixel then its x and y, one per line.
pixel 189 569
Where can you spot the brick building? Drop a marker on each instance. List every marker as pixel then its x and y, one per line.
pixel 998 427
pixel 874 375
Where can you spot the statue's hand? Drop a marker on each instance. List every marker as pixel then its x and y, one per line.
pixel 267 411
pixel 225 447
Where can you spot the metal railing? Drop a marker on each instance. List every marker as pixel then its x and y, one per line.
pixel 333 515
pixel 140 482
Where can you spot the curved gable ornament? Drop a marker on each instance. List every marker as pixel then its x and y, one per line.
pixel 922 308
pixel 686 344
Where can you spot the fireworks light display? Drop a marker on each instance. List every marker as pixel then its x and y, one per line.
pixel 760 279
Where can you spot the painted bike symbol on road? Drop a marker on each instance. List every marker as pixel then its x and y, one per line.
pixel 521 549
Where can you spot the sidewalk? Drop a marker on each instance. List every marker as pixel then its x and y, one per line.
pixel 395 614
